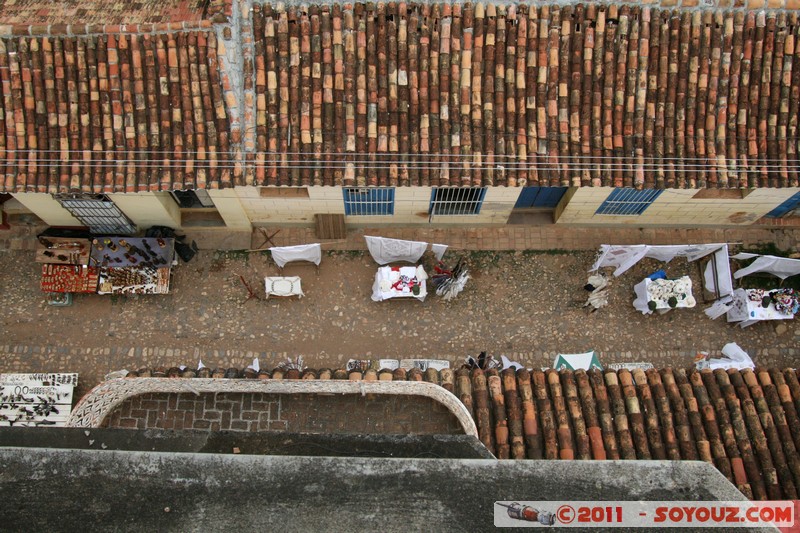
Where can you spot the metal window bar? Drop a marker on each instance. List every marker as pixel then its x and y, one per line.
pixel 448 201
pixel 629 202
pixel 99 215
pixel 368 201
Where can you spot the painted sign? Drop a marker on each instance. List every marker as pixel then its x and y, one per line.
pixel 36 399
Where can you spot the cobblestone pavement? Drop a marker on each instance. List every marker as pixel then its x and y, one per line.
pixel 526 304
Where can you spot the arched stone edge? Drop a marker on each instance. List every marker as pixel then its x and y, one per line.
pixel 93 408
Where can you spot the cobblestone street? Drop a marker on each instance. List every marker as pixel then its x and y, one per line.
pixel 526 304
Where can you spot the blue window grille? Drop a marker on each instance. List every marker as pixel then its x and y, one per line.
pixel 368 201
pixel 448 201
pixel 789 205
pixel 628 201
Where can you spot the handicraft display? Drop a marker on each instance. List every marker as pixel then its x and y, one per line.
pixel 66 278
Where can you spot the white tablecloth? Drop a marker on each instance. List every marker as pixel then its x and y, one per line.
pixel 388 277
pixel 659 291
pixel 283 286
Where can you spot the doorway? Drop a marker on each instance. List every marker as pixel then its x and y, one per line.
pixel 536 205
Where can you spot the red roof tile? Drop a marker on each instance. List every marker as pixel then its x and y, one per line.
pixel 105 11
pixel 111 113
pixel 475 94
pixel 406 94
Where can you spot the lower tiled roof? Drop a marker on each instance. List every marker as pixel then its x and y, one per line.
pixel 112 113
pixel 746 423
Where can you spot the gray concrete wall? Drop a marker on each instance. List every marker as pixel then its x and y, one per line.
pixel 45 489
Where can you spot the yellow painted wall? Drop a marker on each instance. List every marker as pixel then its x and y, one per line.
pixel 496 208
pixel 44 206
pixel 147 209
pixel 676 207
pixel 230 208
pixel 300 211
pixel 411 207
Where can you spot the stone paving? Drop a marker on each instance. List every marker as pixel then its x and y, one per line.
pixel 525 304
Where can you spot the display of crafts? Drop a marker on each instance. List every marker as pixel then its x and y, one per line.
pixel 404 280
pixel 671 292
pixel 143 280
pixel 785 301
pixel 66 278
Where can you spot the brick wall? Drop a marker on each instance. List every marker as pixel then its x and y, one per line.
pixel 295 413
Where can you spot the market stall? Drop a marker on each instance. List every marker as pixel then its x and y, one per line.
pixel 400 282
pixel 65 265
pixel 716 275
pixel 36 400
pixel 69 278
pixel 63 251
pixel 662 295
pixel 749 306
pixel 133 265
pixel 105 265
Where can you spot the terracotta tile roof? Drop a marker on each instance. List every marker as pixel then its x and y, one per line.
pixel 412 94
pixel 100 11
pixel 112 112
pixel 745 423
pixel 587 95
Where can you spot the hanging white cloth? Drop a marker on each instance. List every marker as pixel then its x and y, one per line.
pixel 625 256
pixel 717 274
pixel 386 251
pixel 439 250
pixel 783 267
pixel 302 252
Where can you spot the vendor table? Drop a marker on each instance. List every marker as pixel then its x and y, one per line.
pixel 134 280
pixel 660 291
pixel 133 265
pixel 132 251
pixel 63 251
pixel 399 282
pixel 746 308
pixel 283 286
pixel 69 278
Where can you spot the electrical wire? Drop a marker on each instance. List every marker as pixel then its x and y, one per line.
pixel 366 165
pixel 305 154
